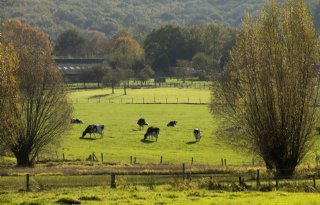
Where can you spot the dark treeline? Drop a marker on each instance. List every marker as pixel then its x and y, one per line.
pixel 170 50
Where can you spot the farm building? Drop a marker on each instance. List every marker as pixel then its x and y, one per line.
pixel 72 66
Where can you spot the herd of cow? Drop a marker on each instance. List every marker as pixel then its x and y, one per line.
pixel 152 132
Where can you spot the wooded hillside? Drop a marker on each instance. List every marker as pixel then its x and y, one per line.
pixel 108 16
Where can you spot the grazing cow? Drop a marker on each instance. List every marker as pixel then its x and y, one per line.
pixel 92 129
pixel 197 134
pixel 141 122
pixel 76 121
pixel 153 132
pixel 172 124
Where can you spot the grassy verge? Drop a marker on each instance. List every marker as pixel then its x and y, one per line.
pixel 155 195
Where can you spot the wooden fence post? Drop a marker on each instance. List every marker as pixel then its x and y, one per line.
pixel 27 182
pixel 63 156
pixel 192 161
pixel 183 171
pixel 101 157
pixel 166 100
pixel 258 178
pixel 240 181
pixel 314 181
pixel 135 160
pixel 211 184
pixel 161 160
pixel 189 176
pixel 130 159
pixel 57 155
pixel 225 162
pixel 142 100
pixel 277 182
pixel 113 181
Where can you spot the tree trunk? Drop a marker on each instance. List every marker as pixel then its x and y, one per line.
pixel 286 169
pixel 23 159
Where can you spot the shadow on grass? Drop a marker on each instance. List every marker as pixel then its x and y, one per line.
pixel 99 96
pixel 192 142
pixel 106 95
pixel 89 139
pixel 135 130
pixel 147 141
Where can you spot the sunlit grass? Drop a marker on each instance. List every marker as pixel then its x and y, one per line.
pixel 158 195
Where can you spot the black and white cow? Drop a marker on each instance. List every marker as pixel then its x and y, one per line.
pixel 153 132
pixel 197 134
pixel 76 121
pixel 141 122
pixel 93 129
pixel 172 124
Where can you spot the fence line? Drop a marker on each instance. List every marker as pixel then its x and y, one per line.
pixel 138 85
pixel 239 181
pixel 142 100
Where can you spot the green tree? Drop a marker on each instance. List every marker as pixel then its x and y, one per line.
pixel 86 76
pixel 70 43
pixel 43 111
pixel 168 41
pixel 204 65
pixel 98 72
pixel 270 85
pixel 145 74
pixel 112 77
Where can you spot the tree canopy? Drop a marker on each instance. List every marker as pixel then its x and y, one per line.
pixel 270 85
pixel 43 112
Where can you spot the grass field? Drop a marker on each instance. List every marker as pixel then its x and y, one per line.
pixel 158 95
pixel 157 195
pixel 123 138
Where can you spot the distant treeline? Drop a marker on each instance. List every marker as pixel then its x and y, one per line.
pixel 138 16
pixel 170 50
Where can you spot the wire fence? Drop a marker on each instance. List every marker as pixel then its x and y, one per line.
pixel 145 85
pixel 254 179
pixel 143 100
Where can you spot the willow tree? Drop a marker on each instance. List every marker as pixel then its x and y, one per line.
pixel 269 87
pixel 43 112
pixel 8 93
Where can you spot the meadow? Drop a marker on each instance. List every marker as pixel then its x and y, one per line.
pixel 75 180
pixel 156 195
pixel 122 137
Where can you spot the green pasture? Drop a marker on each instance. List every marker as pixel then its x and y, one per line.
pixel 147 95
pixel 122 137
pixel 157 195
